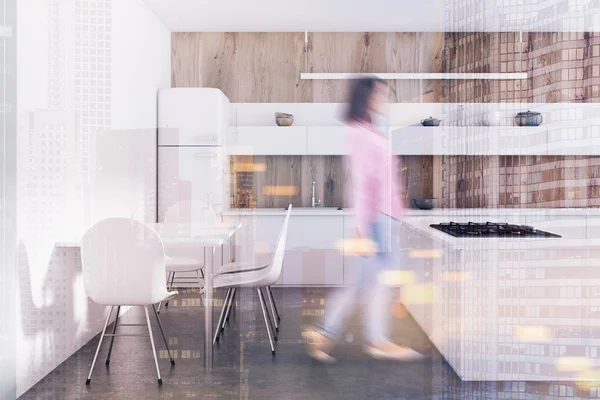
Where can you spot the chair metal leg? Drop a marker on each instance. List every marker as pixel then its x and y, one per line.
pixel 89 378
pixel 269 317
pixel 274 304
pixel 200 285
pixel 218 330
pixel 112 339
pixel 221 326
pixel 162 332
pixel 169 285
pixel 266 317
pixel 152 342
pixel 202 269
pixel 232 309
pixel 275 334
pixel 228 311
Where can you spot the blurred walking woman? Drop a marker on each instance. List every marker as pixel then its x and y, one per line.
pixel 376 199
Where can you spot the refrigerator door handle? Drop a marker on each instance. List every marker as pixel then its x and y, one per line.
pixel 206 137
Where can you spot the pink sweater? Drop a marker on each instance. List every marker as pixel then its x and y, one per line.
pixel 375 182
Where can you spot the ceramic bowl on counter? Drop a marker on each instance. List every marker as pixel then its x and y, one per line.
pixel 283 119
pixel 529 118
pixel 494 118
pixel 424 203
pixel 431 122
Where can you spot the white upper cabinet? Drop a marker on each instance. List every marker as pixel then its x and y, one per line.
pixel 326 140
pixel 267 140
pixel 192 117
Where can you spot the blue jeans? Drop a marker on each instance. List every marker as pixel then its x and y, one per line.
pixel 375 294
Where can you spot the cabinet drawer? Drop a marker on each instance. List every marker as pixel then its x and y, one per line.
pixel 315 231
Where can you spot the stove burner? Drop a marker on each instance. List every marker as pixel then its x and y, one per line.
pixel 490 229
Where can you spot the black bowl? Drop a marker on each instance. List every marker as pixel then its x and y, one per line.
pixel 529 118
pixel 431 122
pixel 424 204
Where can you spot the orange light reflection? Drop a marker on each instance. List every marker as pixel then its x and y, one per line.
pixel 357 247
pixel 418 293
pixel 532 333
pixel 395 278
pixel 572 364
pixel 424 253
pixel 280 190
pixel 250 167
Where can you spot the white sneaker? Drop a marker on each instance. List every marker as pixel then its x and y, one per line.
pixel 390 351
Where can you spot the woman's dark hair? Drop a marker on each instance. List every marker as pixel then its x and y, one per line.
pixel 360 95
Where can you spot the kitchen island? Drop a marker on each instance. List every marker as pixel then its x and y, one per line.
pixel 511 308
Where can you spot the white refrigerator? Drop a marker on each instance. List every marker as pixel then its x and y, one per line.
pixel 193 165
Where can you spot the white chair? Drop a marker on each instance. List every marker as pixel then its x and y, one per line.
pixel 259 276
pixel 123 264
pixel 178 258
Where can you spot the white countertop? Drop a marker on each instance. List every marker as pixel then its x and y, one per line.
pixel 575 231
pixel 577 226
pixel 468 212
pixel 411 212
pixel 281 211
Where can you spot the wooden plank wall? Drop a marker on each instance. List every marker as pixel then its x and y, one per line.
pixel 266 67
pixel 328 172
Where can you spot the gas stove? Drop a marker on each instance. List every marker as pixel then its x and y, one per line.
pixel 491 229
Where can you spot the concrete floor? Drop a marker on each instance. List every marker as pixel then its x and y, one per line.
pixel 245 369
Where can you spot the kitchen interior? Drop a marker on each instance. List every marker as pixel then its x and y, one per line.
pixel 498 137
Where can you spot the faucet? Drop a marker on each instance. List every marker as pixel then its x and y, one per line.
pixel 313 201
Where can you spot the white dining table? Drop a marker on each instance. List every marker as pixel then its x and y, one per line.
pixel 190 234
pixel 201 235
pixel 213 236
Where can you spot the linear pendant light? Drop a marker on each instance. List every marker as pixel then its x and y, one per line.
pixel 418 76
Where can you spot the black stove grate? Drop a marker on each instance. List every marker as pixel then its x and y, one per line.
pixel 491 229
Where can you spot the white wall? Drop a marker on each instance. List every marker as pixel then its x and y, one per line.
pixel 72 124
pixel 8 202
pixel 141 53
